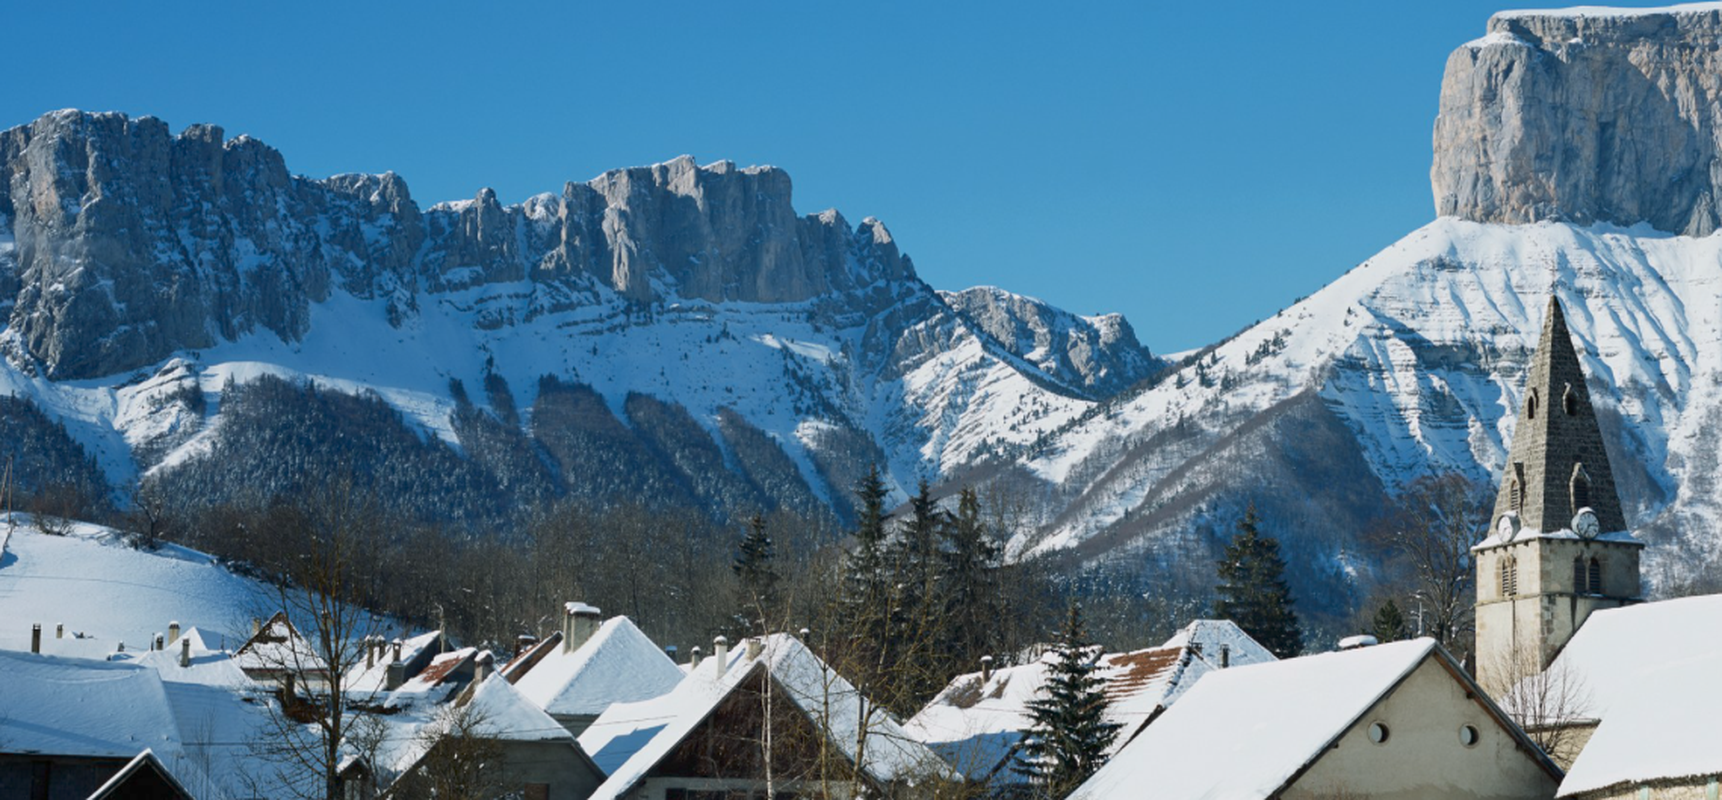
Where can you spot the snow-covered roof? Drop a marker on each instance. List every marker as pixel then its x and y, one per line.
pixel 1243 732
pixel 1662 727
pixel 439 680
pixel 277 645
pixel 145 760
pixel 975 723
pixel 1211 637
pixel 362 680
pixel 494 709
pixel 78 707
pixel 630 739
pixel 1614 650
pixel 619 664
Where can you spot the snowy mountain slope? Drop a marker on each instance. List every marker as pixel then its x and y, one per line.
pixel 698 286
pixel 1420 352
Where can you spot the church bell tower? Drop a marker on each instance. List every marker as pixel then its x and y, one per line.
pixel 1559 547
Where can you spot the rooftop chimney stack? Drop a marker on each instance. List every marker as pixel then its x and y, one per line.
pixel 185 652
pixel 173 631
pixel 694 657
pixel 397 651
pixel 806 632
pixel 671 651
pixel 159 644
pixel 1225 656
pixel 397 675
pixel 755 645
pixel 986 668
pixel 524 642
pixel 720 651
pixel 59 630
pixel 370 652
pixel 580 622
pixel 36 638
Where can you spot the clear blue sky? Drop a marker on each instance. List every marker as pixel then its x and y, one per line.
pixel 1194 166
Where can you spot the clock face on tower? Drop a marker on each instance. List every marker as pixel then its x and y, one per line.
pixel 1508 527
pixel 1585 524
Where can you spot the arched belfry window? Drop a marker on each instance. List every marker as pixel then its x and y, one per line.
pixel 1517 489
pixel 1580 488
pixel 1531 405
pixel 1595 582
pixel 1569 401
pixel 1579 579
pixel 1506 576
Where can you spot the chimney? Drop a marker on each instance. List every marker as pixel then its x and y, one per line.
pixel 397 675
pixel 578 626
pixel 694 657
pixel 986 668
pixel 185 652
pixel 1225 656
pixel 755 645
pixel 36 638
pixel 59 630
pixel 671 651
pixel 173 631
pixel 524 642
pixel 398 652
pixel 805 632
pixel 720 651
pixel 158 643
pixel 370 653
pixel 481 667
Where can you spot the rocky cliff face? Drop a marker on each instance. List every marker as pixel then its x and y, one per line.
pixel 1586 116
pixel 133 242
pixel 1096 354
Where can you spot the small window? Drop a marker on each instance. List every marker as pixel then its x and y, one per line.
pixel 1378 732
pixel 1595 582
pixel 1531 405
pixel 1580 488
pixel 1518 487
pixel 1579 575
pixel 1570 401
pixel 1468 735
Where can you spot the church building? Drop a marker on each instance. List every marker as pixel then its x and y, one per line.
pixel 1559 547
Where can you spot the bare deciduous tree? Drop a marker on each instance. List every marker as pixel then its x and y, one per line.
pixel 1552 705
pixel 1428 538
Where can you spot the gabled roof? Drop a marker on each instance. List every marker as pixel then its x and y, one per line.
pixel 1613 651
pixel 619 664
pixel 629 740
pixel 977 724
pixel 1248 731
pixel 440 679
pixel 277 645
pixel 1211 637
pixel 78 707
pixel 498 711
pixel 1662 727
pixel 372 680
pixel 133 777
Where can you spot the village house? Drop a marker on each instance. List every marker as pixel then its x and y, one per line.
pixel 977 721
pixel 578 675
pixel 769 717
pixel 1400 720
pixel 534 757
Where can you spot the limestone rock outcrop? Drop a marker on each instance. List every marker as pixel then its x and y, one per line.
pixel 130 242
pixel 1585 115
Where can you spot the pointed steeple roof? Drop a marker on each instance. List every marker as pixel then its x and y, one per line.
pixel 1557 463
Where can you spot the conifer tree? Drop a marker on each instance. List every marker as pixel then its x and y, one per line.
pixel 755 568
pixel 1069 738
pixel 970 583
pixel 864 577
pixel 1389 623
pixel 1253 591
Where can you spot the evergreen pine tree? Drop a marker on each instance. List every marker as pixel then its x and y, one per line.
pixel 918 610
pixel 1068 740
pixel 756 569
pixel 970 583
pixel 1253 591
pixel 1389 623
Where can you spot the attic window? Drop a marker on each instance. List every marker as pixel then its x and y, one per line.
pixel 1569 401
pixel 1468 735
pixel 1378 732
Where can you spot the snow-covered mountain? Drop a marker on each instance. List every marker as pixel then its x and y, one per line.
pixel 1569 153
pixel 147 277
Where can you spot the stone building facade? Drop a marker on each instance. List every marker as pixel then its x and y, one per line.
pixel 1559 547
